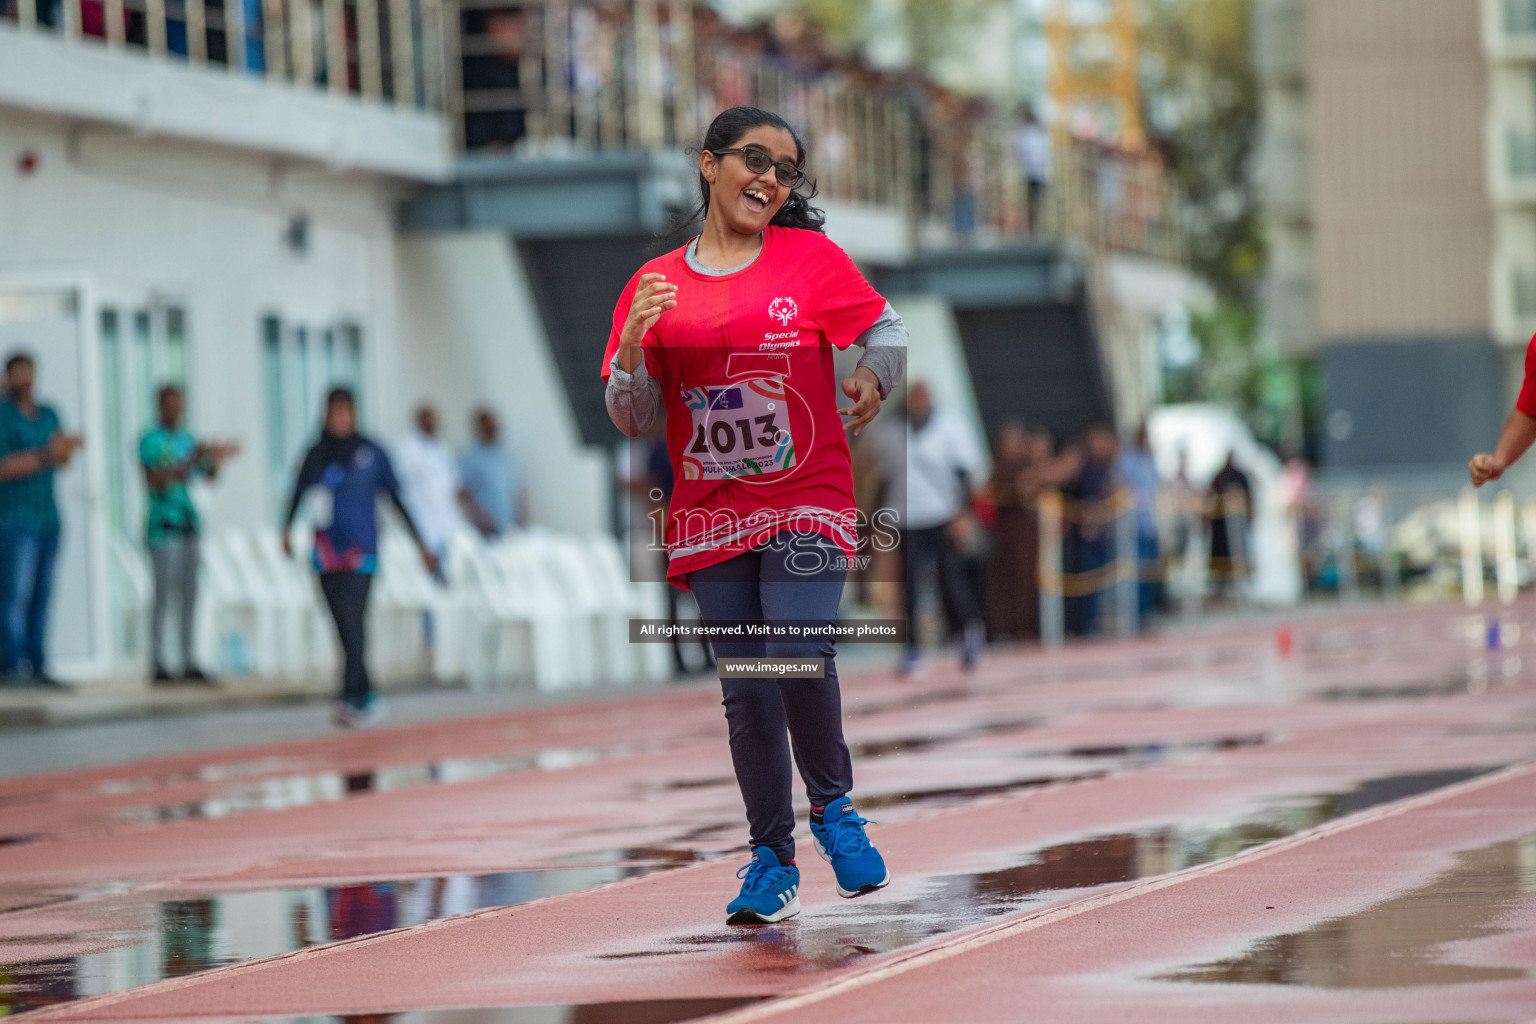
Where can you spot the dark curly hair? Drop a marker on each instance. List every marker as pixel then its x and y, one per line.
pixel 726 132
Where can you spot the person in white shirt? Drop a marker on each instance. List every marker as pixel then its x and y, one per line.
pixel 937 526
pixel 1032 148
pixel 429 484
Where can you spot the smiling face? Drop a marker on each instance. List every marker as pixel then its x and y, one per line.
pixel 743 201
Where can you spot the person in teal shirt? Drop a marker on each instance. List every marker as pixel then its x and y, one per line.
pixel 171 458
pixel 32 447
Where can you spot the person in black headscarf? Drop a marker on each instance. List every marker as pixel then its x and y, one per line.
pixel 347 471
pixel 1229 509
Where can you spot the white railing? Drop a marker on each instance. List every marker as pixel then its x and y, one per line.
pixel 384 50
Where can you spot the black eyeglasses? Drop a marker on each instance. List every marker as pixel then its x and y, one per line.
pixel 759 160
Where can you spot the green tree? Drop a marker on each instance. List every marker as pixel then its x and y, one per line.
pixel 929 29
pixel 1202 100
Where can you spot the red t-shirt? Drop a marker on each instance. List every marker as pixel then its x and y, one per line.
pixel 1526 403
pixel 745 366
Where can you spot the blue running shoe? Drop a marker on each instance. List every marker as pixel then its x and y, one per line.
pixel 770 891
pixel 841 841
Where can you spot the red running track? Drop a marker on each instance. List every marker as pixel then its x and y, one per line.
pixel 1172 829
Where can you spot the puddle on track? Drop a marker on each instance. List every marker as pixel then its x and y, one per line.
pixel 1472 683
pixel 1405 941
pixel 237 793
pixel 909 744
pixel 141 941
pixel 649 1011
pixel 146 941
pixel 1098 762
pixel 941 904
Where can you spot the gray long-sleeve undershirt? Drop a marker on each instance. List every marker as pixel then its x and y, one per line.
pixel 634 399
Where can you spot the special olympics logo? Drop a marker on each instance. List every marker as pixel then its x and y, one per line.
pixel 783 310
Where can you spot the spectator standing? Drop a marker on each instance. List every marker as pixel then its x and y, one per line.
pixel 1013 586
pixel 1138 471
pixel 492 497
pixel 1032 146
pixel 349 471
pixel 171 458
pixel 32 447
pixel 938 526
pixel 1090 546
pixel 496 65
pixel 1230 500
pixel 429 484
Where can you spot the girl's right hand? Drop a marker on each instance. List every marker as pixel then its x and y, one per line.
pixel 654 297
pixel 1485 468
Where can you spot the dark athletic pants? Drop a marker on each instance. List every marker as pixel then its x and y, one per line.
pixel 929 551
pixel 794 576
pixel 347 595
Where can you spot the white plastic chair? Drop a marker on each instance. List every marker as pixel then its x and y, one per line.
pixel 287 656
pixel 396 613
pixel 565 563
pixel 130 591
pixel 263 595
pixel 230 623
pixel 309 653
pixel 643 600
pixel 621 663
pixel 559 659
pixel 405 582
pixel 499 640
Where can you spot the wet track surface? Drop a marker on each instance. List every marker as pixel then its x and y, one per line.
pixel 1191 826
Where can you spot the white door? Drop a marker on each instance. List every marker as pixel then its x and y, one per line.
pixel 46 323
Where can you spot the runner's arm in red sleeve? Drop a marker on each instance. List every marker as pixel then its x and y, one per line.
pixel 1519 430
pixel 632 395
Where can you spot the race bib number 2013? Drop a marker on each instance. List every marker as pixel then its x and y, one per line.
pixel 739 430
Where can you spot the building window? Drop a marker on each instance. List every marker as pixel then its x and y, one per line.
pixel 112 420
pixel 273 416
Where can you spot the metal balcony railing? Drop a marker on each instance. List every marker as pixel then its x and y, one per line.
pixel 562 76
pixel 1115 201
pixel 387 50
pixel 568 76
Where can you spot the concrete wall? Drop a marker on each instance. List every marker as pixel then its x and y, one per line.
pixel 1404 231
pixel 474 336
pixel 936 355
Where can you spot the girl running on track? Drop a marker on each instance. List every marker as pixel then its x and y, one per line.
pixel 351 470
pixel 732 335
pixel 1519 429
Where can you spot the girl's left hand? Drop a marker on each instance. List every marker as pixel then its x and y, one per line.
pixel 864 389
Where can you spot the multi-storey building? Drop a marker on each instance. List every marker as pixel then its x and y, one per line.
pixel 1398 169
